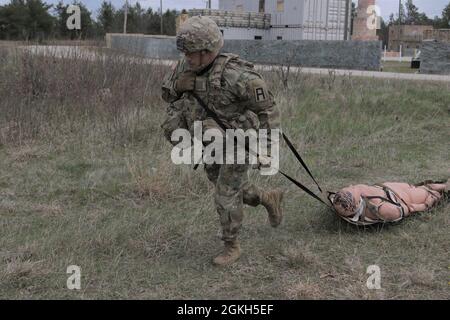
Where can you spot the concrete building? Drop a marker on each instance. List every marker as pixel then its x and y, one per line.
pixel 437 34
pixel 366 22
pixel 282 19
pixel 409 37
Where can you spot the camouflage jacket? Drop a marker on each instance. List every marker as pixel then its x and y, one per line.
pixel 231 88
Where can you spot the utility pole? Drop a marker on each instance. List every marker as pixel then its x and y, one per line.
pixel 125 17
pixel 209 4
pixel 161 17
pixel 399 27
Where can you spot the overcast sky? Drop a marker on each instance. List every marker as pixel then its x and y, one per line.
pixel 430 7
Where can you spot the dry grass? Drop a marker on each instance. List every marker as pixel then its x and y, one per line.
pixel 85 179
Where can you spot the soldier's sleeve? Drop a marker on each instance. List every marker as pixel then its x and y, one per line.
pixel 174 120
pixel 261 101
pixel 168 87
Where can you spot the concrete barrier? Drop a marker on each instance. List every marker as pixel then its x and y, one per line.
pixel 435 57
pixel 158 47
pixel 356 55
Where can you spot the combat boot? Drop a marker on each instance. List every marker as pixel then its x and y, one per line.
pixel 230 254
pixel 272 202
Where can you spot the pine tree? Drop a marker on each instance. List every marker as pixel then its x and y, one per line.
pixel 402 14
pixel 391 19
pixel 412 13
pixel 105 18
pixel 446 17
pixel 25 20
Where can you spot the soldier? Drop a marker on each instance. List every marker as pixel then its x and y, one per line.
pixel 240 99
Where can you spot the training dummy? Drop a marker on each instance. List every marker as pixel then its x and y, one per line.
pixel 388 202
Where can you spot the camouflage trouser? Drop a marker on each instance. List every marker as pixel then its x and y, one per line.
pixel 232 190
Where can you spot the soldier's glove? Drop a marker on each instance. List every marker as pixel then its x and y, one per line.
pixel 185 82
pixel 246 121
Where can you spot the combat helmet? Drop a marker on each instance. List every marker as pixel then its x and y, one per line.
pixel 199 33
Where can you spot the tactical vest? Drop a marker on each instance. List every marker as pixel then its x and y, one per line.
pixel 209 88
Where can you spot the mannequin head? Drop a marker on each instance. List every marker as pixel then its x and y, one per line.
pixel 344 203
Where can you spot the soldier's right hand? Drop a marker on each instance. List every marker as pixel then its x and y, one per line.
pixel 185 82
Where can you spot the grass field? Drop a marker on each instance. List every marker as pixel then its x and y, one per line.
pixel 86 179
pixel 399 67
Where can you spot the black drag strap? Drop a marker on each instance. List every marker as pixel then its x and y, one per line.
pixel 210 113
pixel 301 186
pixel 299 158
pixel 213 115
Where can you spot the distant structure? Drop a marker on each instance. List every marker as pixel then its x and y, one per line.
pixel 409 37
pixel 437 34
pixel 362 22
pixel 282 19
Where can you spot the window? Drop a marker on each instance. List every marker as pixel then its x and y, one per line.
pixel 258 37
pixel 262 5
pixel 280 5
pixel 279 38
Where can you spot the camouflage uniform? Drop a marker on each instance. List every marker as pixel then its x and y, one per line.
pixel 240 98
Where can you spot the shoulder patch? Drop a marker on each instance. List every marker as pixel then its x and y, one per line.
pixel 260 94
pixel 258 90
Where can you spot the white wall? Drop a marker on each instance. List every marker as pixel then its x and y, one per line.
pixel 244 33
pixel 307 19
pixel 231 5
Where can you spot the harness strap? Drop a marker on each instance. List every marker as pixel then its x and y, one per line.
pixel 389 200
pixel 389 191
pixel 431 192
pixel 215 77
